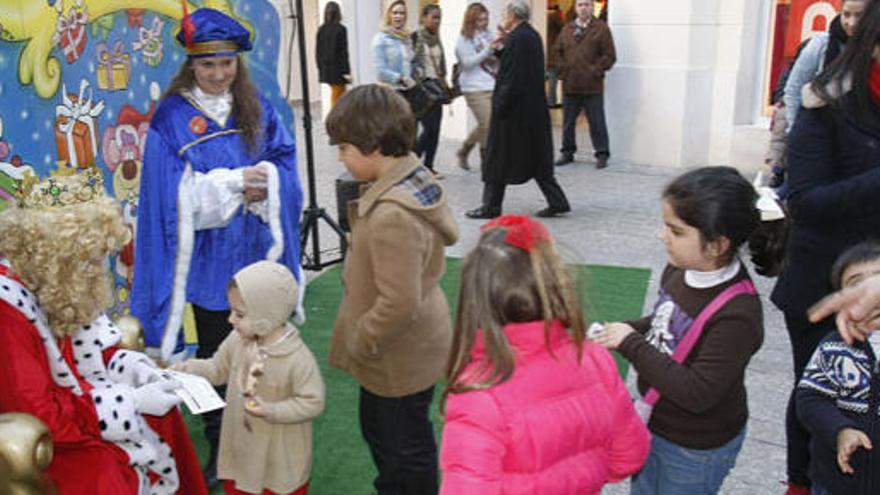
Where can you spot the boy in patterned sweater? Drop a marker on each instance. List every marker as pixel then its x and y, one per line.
pixel 838 397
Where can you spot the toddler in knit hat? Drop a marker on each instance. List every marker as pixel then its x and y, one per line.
pixel 274 386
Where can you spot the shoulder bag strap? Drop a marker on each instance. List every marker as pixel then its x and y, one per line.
pixel 696 329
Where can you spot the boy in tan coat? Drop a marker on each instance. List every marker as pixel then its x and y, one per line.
pixel 393 331
pixel 274 386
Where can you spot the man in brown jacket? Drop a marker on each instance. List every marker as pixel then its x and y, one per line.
pixel 392 332
pixel 584 52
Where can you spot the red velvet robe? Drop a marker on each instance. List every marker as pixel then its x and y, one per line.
pixel 83 463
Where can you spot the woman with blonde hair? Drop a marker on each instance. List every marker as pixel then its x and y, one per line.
pixel 393 48
pixel 478 64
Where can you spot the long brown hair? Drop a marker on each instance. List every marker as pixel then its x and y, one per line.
pixel 246 106
pixel 502 284
pixel 471 16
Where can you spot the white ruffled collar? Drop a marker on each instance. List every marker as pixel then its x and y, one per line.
pixel 704 280
pixel 218 107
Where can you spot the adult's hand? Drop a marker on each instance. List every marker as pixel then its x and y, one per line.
pixel 255 179
pixel 407 82
pixel 157 398
pixel 857 308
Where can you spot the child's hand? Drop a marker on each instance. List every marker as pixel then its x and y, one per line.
pixel 848 440
pixel 254 405
pixel 183 367
pixel 613 335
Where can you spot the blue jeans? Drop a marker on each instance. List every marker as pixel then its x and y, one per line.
pixel 674 470
pixel 818 490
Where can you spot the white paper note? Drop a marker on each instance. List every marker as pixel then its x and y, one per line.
pixel 197 393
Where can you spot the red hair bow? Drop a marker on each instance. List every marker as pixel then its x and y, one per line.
pixel 522 231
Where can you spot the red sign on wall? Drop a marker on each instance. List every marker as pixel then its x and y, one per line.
pixel 806 18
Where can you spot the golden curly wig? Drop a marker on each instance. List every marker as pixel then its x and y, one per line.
pixel 61 254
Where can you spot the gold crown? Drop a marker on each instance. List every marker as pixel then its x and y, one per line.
pixel 60 190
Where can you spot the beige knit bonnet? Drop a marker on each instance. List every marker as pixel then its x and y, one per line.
pixel 269 292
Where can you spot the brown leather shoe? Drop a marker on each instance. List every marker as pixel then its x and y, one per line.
pixel 601 162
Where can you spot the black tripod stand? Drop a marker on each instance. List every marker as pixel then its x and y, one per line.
pixel 312 213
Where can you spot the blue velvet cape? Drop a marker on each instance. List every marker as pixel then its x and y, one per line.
pixel 175 138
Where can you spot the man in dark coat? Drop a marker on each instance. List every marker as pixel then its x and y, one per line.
pixel 520 141
pixel 584 51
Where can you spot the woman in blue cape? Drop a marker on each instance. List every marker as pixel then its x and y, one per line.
pixel 219 189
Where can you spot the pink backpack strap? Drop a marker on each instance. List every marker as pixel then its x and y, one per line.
pixel 696 329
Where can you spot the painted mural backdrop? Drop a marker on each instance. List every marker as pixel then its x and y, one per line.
pixel 80 79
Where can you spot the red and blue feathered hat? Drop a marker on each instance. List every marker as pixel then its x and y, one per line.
pixel 210 33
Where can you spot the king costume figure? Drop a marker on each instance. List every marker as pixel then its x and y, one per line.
pixel 112 416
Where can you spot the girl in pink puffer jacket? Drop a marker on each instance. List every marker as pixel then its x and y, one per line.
pixel 531 408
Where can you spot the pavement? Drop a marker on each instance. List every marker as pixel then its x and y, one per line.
pixel 615 220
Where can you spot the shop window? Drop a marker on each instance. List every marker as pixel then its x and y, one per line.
pixel 794 22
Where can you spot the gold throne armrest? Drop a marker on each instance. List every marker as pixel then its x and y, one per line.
pixel 25 452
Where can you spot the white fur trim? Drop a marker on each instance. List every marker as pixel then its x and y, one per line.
pixel 185 235
pixel 121 424
pixel 273 199
pixel 299 316
pixel 117 413
pixel 88 344
pixel 273 196
pixel 145 449
pixel 130 367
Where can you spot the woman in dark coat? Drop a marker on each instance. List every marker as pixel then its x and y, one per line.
pixel 520 144
pixel 834 176
pixel 332 52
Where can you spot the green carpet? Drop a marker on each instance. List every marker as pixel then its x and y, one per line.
pixel 342 463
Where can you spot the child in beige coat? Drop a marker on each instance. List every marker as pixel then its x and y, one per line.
pixel 274 386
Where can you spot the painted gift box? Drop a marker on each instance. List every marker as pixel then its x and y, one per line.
pixel 114 67
pixel 150 43
pixel 70 33
pixel 76 127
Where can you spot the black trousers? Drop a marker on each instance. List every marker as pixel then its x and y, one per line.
pixel 400 436
pixel 804 337
pixel 594 107
pixel 212 328
pixel 426 145
pixel 493 194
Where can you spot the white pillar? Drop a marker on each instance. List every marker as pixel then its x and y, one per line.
pixel 670 98
pixel 290 67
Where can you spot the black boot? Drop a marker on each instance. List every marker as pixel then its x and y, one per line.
pixel 484 212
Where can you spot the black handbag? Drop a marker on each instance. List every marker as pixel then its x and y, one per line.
pixel 437 91
pixel 419 99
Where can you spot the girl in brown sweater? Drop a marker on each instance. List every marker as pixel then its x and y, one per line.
pixel 692 351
